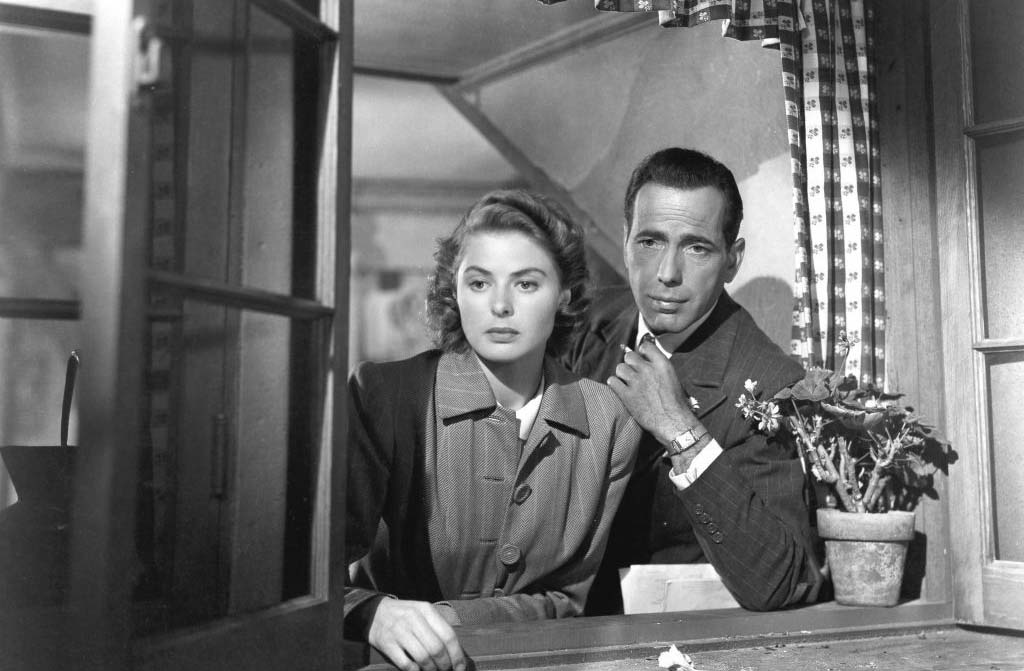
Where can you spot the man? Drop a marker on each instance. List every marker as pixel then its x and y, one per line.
pixel 707 486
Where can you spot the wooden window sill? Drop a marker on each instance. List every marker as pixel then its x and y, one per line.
pixel 639 637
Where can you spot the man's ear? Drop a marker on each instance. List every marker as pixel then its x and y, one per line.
pixel 735 259
pixel 625 239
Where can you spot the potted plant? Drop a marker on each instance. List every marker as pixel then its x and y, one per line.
pixel 875 457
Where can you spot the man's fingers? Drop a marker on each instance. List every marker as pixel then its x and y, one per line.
pixel 625 373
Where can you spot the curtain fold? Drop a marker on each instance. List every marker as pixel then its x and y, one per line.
pixel 828 81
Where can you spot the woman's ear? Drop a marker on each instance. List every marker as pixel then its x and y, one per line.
pixel 564 298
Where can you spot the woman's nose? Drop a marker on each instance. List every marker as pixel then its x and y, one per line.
pixel 501 306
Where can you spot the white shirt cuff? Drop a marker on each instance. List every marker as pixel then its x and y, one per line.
pixel 699 464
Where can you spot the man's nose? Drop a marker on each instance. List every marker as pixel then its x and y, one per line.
pixel 670 269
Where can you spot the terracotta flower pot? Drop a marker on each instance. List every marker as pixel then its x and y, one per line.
pixel 865 554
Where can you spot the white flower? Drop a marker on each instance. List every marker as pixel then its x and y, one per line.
pixel 674 659
pixel 750 385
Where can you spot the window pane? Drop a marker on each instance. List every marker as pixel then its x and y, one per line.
pixel 1006 397
pixel 996 56
pixel 1001 204
pixel 43 89
pixel 245 97
pixel 227 463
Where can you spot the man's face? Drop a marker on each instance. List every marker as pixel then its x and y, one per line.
pixel 676 256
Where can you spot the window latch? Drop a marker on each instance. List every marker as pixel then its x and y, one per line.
pixel 149 56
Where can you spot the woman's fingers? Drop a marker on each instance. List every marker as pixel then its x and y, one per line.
pixel 413 635
pixel 452 648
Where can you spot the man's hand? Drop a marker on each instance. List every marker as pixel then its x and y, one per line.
pixel 647 384
pixel 414 635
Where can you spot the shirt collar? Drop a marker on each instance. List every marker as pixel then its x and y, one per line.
pixel 670 342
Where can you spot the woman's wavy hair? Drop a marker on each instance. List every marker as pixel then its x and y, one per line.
pixel 540 218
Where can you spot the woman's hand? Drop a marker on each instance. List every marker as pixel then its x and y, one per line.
pixel 414 635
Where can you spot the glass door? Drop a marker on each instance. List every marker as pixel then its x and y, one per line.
pixel 981 145
pixel 200 291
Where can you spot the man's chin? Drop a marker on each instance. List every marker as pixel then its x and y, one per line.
pixel 660 322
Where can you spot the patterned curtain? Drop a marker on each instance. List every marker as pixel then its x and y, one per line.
pixel 828 79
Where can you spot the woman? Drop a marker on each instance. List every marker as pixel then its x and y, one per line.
pixel 496 470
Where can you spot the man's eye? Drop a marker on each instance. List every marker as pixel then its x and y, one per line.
pixel 647 243
pixel 699 250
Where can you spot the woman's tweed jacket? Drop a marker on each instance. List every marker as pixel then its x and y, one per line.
pixel 498 531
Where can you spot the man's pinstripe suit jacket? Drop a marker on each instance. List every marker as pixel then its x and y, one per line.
pixel 746 514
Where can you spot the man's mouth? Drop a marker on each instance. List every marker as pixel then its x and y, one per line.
pixel 666 302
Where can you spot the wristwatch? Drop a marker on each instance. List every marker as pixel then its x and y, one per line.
pixel 685 440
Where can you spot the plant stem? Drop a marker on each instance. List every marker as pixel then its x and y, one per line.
pixel 875 488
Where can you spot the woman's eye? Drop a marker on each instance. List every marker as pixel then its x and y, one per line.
pixel 527 285
pixel 477 285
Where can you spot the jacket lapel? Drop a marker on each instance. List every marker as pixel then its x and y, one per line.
pixel 562 417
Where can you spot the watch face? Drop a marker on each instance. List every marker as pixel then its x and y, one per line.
pixel 678 446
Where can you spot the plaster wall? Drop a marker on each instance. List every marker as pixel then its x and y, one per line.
pixel 586 118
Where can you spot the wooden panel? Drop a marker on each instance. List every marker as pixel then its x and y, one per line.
pixel 287 637
pixel 112 318
pixel 913 335
pixel 335 203
pixel 73 16
pixel 946 649
pixel 956 255
pixel 524 644
pixel 1004 594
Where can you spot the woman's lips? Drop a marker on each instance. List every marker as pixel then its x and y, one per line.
pixel 502 334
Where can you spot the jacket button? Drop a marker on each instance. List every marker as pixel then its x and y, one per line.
pixel 698 510
pixel 522 493
pixel 717 536
pixel 509 554
pixel 712 528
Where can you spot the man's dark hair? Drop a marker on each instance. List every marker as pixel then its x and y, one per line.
pixel 688 169
pixel 541 219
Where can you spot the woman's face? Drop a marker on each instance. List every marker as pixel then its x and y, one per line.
pixel 508 290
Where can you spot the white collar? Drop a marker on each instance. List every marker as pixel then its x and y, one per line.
pixel 527 414
pixel 669 342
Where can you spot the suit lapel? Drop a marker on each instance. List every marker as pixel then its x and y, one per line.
pixel 701 361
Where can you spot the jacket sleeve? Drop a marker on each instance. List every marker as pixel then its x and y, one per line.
pixel 563 593
pixel 750 517
pixel 370 452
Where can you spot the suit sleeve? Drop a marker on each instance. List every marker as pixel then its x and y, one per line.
pixel 564 592
pixel 751 520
